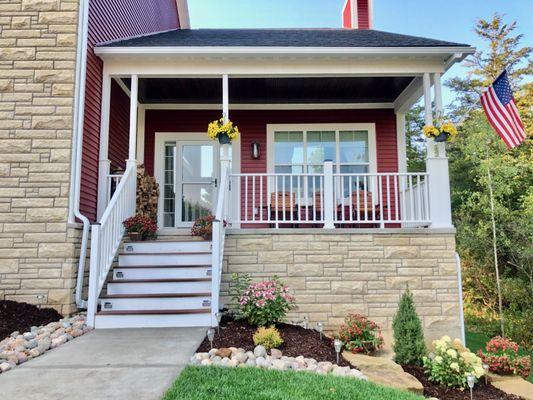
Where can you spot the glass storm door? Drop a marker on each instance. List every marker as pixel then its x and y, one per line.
pixel 191 181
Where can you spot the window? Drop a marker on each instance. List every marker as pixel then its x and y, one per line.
pixel 303 149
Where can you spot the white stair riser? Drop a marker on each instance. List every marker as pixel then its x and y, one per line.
pixel 158 287
pixel 164 259
pixel 151 321
pixel 161 273
pixel 161 303
pixel 166 247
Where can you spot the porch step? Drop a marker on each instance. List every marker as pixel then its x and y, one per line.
pixel 164 246
pixel 165 258
pixel 156 301
pixel 161 272
pixel 153 319
pixel 147 286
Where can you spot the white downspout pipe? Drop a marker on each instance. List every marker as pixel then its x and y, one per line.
pixel 460 286
pixel 77 139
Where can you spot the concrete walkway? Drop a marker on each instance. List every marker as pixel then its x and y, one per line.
pixel 113 364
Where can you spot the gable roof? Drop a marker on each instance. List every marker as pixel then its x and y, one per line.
pixel 279 38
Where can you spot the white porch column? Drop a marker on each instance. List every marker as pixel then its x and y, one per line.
pixel 225 97
pixel 329 196
pixel 132 149
pixel 437 166
pixel 103 161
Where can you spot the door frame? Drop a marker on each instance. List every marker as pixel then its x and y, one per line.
pixel 160 139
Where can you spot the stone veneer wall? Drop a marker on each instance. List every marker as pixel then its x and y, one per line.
pixel 335 273
pixel 37 68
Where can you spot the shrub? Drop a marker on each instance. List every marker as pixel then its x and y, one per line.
pixel 141 224
pixel 360 335
pixel 409 346
pixel 203 227
pixel 270 338
pixel 502 357
pixel 262 303
pixel 451 362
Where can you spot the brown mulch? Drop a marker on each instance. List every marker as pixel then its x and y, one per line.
pixel 21 317
pixel 481 390
pixel 297 341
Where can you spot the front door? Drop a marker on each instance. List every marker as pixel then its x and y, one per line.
pixel 190 174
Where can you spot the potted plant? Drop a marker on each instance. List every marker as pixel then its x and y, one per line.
pixel 441 131
pixel 140 227
pixel 203 227
pixel 222 130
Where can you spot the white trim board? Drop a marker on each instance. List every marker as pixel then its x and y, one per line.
pixel 286 106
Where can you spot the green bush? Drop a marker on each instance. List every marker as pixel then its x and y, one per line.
pixel 409 346
pixel 270 338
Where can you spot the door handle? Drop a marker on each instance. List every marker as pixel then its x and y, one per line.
pixel 215 182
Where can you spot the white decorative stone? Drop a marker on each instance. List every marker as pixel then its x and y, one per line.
pixel 275 353
pixel 260 351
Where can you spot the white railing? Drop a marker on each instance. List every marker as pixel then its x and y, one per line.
pixel 107 235
pixel 219 235
pixel 331 200
pixel 112 181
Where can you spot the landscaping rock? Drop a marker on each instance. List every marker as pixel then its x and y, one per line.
pixel 384 371
pixel 512 384
pixel 275 353
pixel 5 366
pixel 260 351
pixel 224 352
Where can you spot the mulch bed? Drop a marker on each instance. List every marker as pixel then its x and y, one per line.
pixel 21 317
pixel 297 341
pixel 481 390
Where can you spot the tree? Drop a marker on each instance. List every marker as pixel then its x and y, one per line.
pixel 409 346
pixel 415 142
pixel 477 148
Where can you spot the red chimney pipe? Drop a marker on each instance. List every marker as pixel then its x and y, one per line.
pixel 357 14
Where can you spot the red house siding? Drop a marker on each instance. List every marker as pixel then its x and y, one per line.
pixel 119 127
pixel 112 20
pixel 363 14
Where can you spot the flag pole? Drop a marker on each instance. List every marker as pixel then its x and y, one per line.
pixel 495 247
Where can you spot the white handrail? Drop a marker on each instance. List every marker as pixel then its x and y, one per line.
pixel 107 235
pixel 218 239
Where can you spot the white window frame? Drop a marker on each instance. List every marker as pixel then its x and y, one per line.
pixel 369 127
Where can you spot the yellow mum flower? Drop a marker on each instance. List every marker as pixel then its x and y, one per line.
pixel 430 131
pixel 449 128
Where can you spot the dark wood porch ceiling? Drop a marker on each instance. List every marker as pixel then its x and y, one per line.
pixel 272 90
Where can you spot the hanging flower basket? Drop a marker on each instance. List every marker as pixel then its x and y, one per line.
pixel 225 132
pixel 444 132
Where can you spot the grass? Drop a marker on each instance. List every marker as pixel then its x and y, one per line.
pixel 201 383
pixel 477 341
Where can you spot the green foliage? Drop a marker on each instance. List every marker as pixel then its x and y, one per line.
pixel 477 149
pixel 409 346
pixel 269 338
pixel 451 362
pixel 261 303
pixel 201 383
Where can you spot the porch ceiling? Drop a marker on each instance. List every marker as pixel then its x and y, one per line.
pixel 273 90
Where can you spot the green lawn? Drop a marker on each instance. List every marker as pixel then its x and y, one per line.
pixel 201 383
pixel 477 341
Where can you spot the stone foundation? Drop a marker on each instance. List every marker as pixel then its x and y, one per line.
pixel 333 273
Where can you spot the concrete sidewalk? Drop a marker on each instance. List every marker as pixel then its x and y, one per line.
pixel 113 364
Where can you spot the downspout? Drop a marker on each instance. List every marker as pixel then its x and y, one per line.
pixel 460 286
pixel 79 114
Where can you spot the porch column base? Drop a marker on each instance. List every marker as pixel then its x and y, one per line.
pixel 440 210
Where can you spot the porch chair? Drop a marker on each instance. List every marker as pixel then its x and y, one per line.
pixel 359 212
pixel 283 207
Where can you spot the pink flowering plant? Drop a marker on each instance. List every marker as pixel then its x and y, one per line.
pixel 502 357
pixel 261 303
pixel 360 335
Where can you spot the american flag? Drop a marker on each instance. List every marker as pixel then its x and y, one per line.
pixel 500 107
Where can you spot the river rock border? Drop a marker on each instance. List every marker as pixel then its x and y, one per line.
pixel 259 358
pixel 19 348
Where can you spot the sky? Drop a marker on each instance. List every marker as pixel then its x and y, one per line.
pixel 451 20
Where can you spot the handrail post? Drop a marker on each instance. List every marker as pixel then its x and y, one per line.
pixel 94 275
pixel 329 195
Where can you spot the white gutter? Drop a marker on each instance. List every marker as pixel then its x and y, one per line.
pixel 77 139
pixel 266 50
pixel 460 285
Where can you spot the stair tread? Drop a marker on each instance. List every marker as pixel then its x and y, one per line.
pixel 153 295
pixel 161 266
pixel 166 253
pixel 155 312
pixel 158 280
